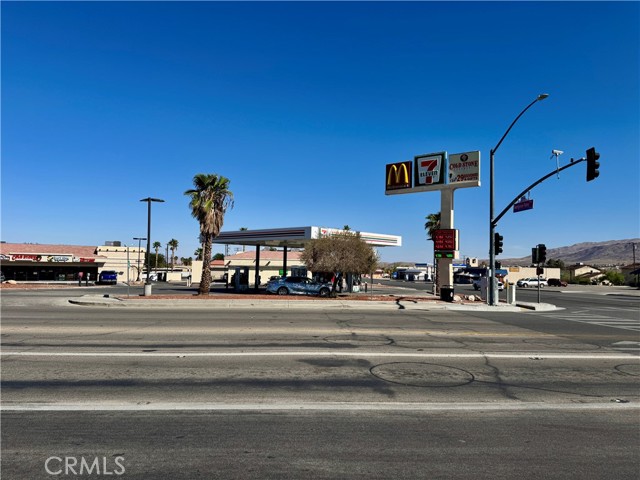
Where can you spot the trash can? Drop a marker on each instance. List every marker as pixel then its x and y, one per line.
pixel 446 293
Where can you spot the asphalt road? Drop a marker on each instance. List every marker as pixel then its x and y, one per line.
pixel 264 393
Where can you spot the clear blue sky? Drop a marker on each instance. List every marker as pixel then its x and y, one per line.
pixel 302 105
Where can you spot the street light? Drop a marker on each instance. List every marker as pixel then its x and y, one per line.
pixel 492 300
pixel 139 240
pixel 147 284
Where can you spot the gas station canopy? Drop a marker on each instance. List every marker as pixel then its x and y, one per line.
pixel 296 237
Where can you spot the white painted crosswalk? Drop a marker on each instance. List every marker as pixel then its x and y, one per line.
pixel 597 318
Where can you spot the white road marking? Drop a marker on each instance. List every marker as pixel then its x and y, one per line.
pixel 330 353
pixel 311 406
pixel 583 316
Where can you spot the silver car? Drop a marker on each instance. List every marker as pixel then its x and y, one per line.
pixel 298 286
pixel 532 282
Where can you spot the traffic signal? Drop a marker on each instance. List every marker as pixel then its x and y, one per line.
pixel 497 243
pixel 592 164
pixel 534 255
pixel 542 253
pixel 498 265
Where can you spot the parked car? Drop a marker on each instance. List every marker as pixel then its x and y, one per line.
pixel 298 286
pixel 556 282
pixel 476 284
pixel 531 282
pixel 108 277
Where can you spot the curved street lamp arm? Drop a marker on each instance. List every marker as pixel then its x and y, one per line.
pixel 513 123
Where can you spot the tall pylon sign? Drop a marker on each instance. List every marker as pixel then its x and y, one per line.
pixel 437 172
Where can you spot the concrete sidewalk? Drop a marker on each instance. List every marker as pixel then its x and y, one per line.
pixel 278 303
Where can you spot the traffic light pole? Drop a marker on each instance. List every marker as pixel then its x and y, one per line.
pixel 492 300
pixel 493 291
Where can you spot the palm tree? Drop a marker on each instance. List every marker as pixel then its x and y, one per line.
pixel 173 246
pixel 209 202
pixel 156 247
pixel 433 224
pixel 198 253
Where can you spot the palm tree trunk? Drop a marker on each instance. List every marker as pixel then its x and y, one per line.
pixel 205 281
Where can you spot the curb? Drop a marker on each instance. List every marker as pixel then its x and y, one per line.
pixel 96 301
pixel 105 301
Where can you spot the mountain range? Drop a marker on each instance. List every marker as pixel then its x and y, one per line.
pixel 611 252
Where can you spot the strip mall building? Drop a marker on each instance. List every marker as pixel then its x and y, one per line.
pixel 38 262
pixel 33 262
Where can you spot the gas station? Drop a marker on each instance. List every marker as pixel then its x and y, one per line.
pixel 288 238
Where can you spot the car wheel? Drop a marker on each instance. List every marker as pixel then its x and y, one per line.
pixel 283 291
pixel 324 292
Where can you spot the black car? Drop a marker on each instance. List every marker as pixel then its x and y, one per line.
pixel 556 282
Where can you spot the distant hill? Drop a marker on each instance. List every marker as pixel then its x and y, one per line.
pixel 612 252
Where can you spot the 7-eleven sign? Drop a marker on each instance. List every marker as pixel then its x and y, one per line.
pixel 429 169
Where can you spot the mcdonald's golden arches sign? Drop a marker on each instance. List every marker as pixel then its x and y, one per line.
pixel 399 176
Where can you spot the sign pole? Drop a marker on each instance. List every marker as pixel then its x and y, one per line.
pixel 445 265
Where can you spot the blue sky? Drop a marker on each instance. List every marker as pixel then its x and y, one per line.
pixel 303 104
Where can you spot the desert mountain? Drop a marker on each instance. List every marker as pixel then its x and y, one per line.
pixel 611 252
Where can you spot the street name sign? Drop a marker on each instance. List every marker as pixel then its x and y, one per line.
pixel 523 204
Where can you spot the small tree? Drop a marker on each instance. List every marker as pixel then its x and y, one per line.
pixel 218 256
pixel 615 277
pixel 340 254
pixel 555 263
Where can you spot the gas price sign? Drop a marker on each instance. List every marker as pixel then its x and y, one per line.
pixel 445 240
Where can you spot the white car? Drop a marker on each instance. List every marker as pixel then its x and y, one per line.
pixel 532 282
